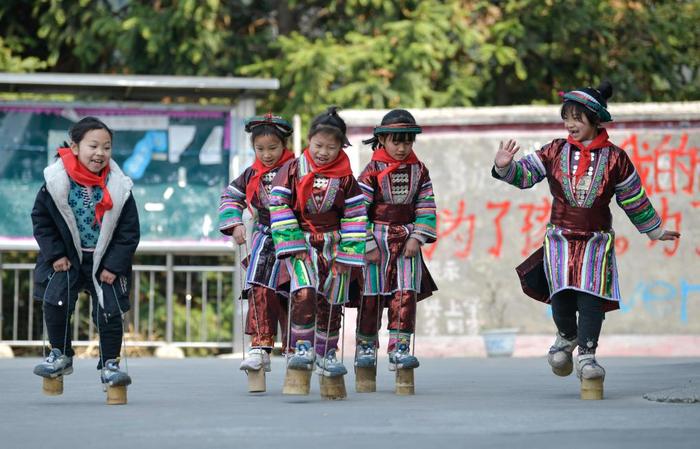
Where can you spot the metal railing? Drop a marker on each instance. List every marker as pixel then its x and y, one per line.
pixel 173 302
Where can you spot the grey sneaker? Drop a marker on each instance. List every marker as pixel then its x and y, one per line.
pixel 330 366
pixel 587 367
pixel 113 376
pixel 559 356
pixel 55 365
pixel 257 359
pixel 401 358
pixel 303 357
pixel 366 356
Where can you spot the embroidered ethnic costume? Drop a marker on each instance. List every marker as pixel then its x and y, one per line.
pixel 579 243
pixel 401 205
pixel 319 210
pixel 266 276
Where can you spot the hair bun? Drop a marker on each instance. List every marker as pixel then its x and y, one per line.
pixel 332 118
pixel 606 89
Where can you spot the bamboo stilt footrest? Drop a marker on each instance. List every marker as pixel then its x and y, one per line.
pixel 53 386
pixel 405 385
pixel 592 389
pixel 256 381
pixel 366 380
pixel 333 388
pixel 297 382
pixel 116 395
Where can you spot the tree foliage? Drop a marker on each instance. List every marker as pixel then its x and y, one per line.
pixel 372 53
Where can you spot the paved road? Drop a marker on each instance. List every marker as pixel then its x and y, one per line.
pixel 474 403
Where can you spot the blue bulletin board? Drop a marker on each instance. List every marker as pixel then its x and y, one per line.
pixel 178 160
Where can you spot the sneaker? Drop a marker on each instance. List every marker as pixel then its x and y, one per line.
pixel 330 366
pixel 366 355
pixel 257 359
pixel 587 367
pixel 113 376
pixel 401 358
pixel 559 356
pixel 303 357
pixel 55 365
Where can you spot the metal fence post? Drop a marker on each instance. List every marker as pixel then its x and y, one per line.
pixel 169 288
pixel 234 310
pixel 1 315
pixel 15 306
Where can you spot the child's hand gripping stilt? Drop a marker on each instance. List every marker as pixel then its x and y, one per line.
pixel 411 248
pixel 239 234
pixel 372 256
pixel 338 268
pixel 107 277
pixel 302 256
pixel 62 264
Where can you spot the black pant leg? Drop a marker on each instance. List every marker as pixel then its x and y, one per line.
pixel 110 329
pixel 58 319
pixel 564 313
pixel 590 321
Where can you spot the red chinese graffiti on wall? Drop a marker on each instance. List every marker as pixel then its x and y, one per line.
pixel 668 171
pixel 665 169
pixel 540 213
pixel 504 207
pixel 449 226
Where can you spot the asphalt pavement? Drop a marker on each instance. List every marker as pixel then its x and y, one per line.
pixel 466 402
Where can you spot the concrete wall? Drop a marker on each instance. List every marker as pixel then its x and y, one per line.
pixel 486 227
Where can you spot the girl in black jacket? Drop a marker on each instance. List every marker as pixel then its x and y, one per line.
pixel 87 227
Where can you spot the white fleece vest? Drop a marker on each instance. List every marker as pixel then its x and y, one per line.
pixel 119 186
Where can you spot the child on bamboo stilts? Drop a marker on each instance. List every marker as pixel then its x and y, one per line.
pixel 87 226
pixel 319 223
pixel 575 270
pixel 252 189
pixel 401 210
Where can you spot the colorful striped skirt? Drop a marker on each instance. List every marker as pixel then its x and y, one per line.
pixel 394 272
pixel 584 261
pixel 315 271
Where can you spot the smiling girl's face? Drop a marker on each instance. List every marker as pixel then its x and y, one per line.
pixel 94 150
pixel 268 149
pixel 578 126
pixel 324 148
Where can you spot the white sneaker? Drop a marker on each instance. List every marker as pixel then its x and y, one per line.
pixel 55 365
pixel 401 358
pixel 303 357
pixel 365 355
pixel 330 366
pixel 256 360
pixel 587 367
pixel 560 356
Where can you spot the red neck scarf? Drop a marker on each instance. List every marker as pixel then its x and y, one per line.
pixel 338 168
pixel 260 169
pixel 80 174
pixel 600 141
pixel 381 155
